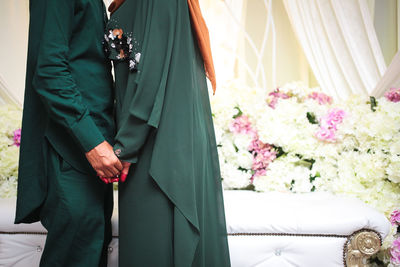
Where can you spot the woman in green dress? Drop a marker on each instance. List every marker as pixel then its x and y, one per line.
pixel 171 205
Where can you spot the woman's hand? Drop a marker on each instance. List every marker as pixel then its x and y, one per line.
pixel 118 178
pixel 125 170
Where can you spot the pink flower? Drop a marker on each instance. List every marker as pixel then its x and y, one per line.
pixel 395 251
pixel 241 125
pixel 275 97
pixel 328 125
pixel 393 94
pixel 321 98
pixel 256 145
pixel 258 173
pixel 17 137
pixel 326 134
pixel 395 217
pixel 335 117
pixel 263 154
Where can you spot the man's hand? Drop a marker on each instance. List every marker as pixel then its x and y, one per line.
pixel 104 161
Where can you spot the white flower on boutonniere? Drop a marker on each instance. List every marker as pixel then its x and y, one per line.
pixel 137 57
pixel 111 35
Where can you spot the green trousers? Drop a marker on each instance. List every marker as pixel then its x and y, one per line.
pixel 77 214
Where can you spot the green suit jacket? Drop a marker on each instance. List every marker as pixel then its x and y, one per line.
pixel 68 96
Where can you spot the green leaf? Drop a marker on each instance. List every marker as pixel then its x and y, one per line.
pixel 236 148
pixel 279 151
pixel 312 118
pixel 308 163
pixel 240 113
pixel 373 103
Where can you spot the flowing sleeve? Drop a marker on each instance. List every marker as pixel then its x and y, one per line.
pixel 142 106
pixel 53 80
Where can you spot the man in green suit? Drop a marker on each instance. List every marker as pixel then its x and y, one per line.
pixel 67 130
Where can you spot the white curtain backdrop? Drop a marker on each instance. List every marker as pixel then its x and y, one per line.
pixel 6 95
pixel 391 77
pixel 254 40
pixel 340 43
pixel 14 19
pixel 223 19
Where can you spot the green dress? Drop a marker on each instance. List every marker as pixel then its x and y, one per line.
pixel 171 206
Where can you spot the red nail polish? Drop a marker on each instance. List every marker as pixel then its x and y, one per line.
pixel 123 177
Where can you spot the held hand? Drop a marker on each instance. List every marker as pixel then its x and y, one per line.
pixel 104 161
pixel 109 180
pixel 124 174
pixel 125 170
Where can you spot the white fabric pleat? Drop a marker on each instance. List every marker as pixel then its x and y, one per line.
pixel 340 43
pixel 390 79
pixel 6 95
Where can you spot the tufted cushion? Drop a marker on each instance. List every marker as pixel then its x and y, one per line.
pixel 265 229
pixel 310 230
pixel 313 213
pixel 22 245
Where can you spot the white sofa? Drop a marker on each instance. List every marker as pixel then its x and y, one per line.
pixel 265 229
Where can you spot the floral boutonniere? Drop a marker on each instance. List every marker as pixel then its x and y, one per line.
pixel 121 46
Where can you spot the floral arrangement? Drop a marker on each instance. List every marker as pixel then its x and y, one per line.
pixel 297 139
pixel 10 139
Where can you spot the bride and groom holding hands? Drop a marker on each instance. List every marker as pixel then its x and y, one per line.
pixel 151 130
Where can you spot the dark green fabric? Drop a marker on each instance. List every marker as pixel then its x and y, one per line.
pixel 165 125
pixel 77 214
pixel 68 94
pixel 144 207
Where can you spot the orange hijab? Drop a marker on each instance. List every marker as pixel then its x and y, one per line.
pixel 201 31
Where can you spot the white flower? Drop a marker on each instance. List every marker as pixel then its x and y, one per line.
pixel 111 35
pixel 284 174
pixel 395 147
pixel 242 141
pixel 269 183
pixel 301 179
pixel 393 170
pixel 243 159
pixel 232 178
pixel 326 171
pixel 137 57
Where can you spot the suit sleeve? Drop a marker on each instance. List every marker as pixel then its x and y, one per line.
pixel 143 108
pixel 53 80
